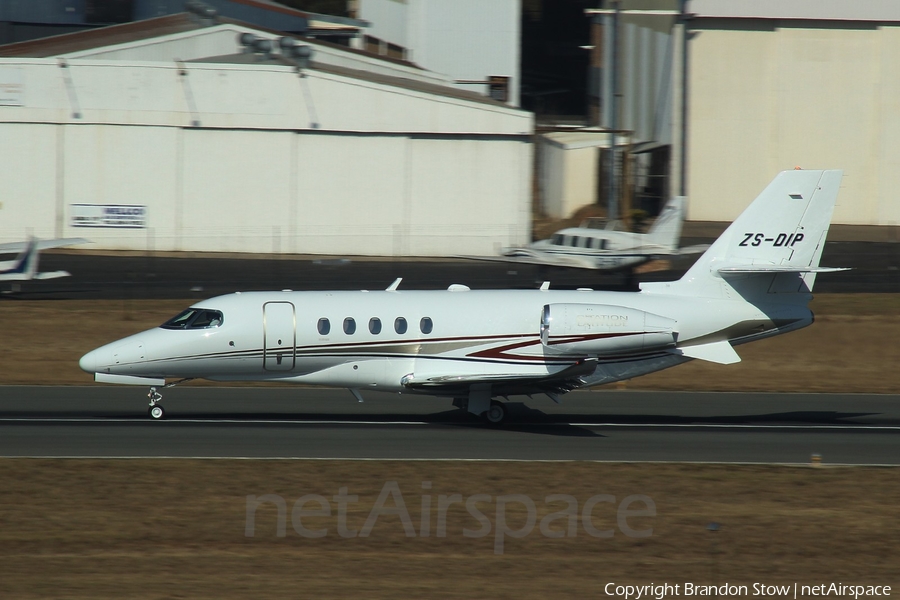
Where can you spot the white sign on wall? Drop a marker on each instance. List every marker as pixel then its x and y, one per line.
pixel 129 216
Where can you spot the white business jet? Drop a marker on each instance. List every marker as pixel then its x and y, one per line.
pixel 25 265
pixel 754 282
pixel 605 248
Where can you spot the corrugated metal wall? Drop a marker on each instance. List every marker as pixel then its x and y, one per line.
pixel 646 52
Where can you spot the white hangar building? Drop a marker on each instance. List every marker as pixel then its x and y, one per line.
pixel 163 135
pixel 773 84
pixel 718 96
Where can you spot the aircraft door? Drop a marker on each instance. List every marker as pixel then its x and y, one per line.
pixel 279 333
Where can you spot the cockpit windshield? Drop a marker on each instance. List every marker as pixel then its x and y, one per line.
pixel 194 318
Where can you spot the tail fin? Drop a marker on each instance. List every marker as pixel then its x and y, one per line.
pixel 774 246
pixel 26 262
pixel 666 231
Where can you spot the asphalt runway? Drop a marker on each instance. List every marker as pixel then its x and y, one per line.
pixel 875 268
pixel 270 422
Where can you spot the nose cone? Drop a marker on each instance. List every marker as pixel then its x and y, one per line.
pixel 95 360
pixel 124 357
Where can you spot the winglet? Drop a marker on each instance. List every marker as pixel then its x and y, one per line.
pixel 718 352
pixel 393 287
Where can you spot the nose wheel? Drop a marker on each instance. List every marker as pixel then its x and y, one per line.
pixel 155 411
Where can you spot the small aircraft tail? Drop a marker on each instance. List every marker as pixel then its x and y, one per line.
pixel 666 231
pixel 774 246
pixel 26 262
pixel 25 265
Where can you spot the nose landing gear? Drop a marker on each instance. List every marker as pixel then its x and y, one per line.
pixel 156 411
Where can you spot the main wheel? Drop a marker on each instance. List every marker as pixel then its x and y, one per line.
pixel 157 413
pixel 496 414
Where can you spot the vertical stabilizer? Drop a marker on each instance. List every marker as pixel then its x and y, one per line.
pixel 774 246
pixel 27 261
pixel 666 231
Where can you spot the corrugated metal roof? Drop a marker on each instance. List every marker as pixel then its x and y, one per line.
pixel 143 30
pixel 276 7
pixel 103 36
pixel 400 82
pixel 585 138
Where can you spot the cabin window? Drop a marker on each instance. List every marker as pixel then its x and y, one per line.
pixel 557 239
pixel 195 318
pixel 585 242
pixel 400 325
pixel 349 326
pixel 576 241
pixel 425 325
pixel 324 326
pixel 374 325
pixel 599 244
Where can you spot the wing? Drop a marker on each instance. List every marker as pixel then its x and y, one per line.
pixel 504 384
pixel 532 258
pixel 698 249
pixel 43 244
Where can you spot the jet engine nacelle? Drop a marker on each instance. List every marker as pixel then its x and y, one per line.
pixel 604 329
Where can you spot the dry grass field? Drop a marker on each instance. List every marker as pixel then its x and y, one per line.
pixel 141 529
pixel 177 529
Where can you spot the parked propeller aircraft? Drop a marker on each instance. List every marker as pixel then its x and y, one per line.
pixel 605 248
pixel 25 266
pixel 754 282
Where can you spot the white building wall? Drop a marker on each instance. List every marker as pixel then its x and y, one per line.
pixel 389 19
pixel 324 164
pixel 765 96
pixel 445 177
pixel 365 179
pixel 463 39
pixel 28 179
pixel 108 164
pixel 569 178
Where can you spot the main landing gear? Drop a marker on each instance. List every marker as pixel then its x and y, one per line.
pixel 496 414
pixel 156 411
pixel 479 403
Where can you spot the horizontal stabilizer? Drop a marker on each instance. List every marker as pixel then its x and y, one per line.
pixel 127 379
pixel 774 269
pixel 718 352
pixel 42 244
